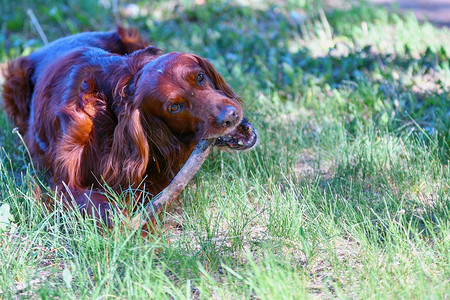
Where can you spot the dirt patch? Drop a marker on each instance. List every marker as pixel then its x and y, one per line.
pixel 308 166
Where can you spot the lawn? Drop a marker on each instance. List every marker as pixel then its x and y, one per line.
pixel 346 195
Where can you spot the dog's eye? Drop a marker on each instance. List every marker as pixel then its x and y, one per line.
pixel 200 77
pixel 174 108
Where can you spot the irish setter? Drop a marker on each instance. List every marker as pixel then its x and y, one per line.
pixel 103 108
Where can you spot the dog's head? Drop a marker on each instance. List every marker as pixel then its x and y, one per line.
pixel 171 101
pixel 191 98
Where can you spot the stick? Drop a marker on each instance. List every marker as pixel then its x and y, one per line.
pixel 176 186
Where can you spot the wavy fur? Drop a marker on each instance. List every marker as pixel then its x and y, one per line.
pixel 92 115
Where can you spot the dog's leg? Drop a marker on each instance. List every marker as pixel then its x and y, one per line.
pixel 90 203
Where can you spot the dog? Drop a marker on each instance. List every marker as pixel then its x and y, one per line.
pixel 102 108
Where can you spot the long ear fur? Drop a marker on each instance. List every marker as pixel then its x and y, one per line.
pixel 217 79
pixel 128 160
pixel 165 149
pixel 130 150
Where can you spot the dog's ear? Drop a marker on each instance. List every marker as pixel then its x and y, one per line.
pixel 164 146
pixel 217 79
pixel 128 159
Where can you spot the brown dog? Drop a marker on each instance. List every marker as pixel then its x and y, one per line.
pixel 91 115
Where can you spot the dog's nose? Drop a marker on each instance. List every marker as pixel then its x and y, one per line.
pixel 228 117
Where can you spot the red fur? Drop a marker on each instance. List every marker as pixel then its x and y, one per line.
pixel 90 115
pixel 17 91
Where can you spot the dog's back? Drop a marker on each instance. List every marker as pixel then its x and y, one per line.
pixel 21 75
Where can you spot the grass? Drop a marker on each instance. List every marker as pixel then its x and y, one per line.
pixel 346 195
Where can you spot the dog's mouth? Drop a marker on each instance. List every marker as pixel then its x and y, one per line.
pixel 243 137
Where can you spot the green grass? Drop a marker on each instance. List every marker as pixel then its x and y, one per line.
pixel 346 195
